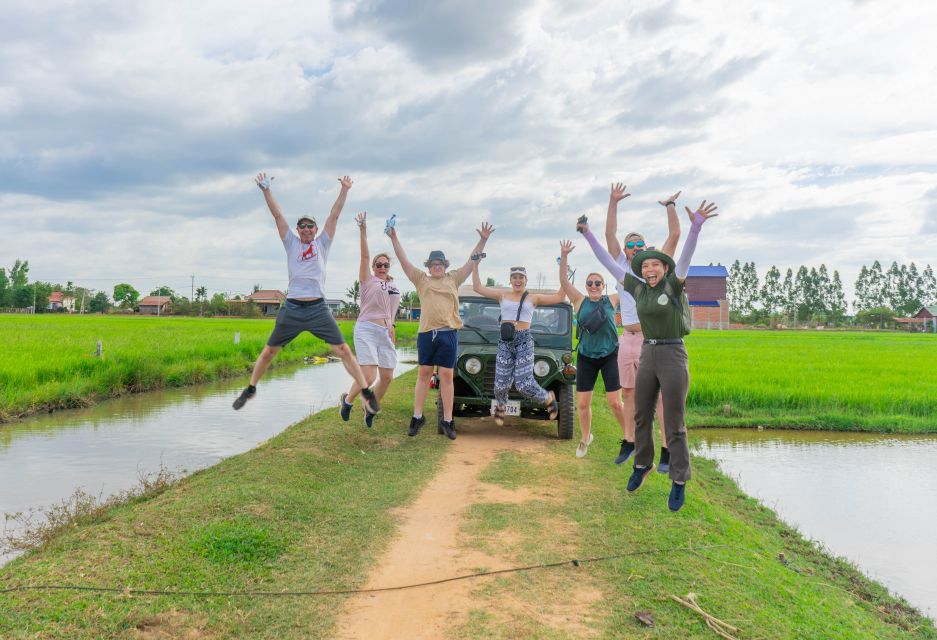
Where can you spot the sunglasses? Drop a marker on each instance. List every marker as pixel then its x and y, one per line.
pixel 632 245
pixel 594 283
pixel 307 225
pixel 382 265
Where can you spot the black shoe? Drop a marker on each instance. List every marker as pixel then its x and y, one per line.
pixel 415 425
pixel 448 428
pixel 664 465
pixel 627 450
pixel 345 410
pixel 677 496
pixel 637 478
pixel 246 395
pixel 369 419
pixel 369 401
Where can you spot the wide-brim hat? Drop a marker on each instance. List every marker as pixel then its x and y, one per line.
pixel 436 255
pixel 651 254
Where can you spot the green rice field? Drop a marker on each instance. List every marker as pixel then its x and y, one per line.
pixel 805 379
pixel 48 361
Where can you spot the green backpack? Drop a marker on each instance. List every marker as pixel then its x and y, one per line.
pixel 681 302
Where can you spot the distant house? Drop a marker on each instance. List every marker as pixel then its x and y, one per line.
pixel 334 304
pixel 268 300
pixel 155 305
pixel 926 318
pixel 59 300
pixel 706 289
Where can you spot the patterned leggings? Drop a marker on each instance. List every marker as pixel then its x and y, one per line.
pixel 515 364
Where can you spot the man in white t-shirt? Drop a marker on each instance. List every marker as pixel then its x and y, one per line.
pixel 304 309
pixel 631 339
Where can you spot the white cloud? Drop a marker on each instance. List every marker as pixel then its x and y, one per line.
pixel 131 131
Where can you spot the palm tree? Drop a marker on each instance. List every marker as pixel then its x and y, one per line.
pixel 354 292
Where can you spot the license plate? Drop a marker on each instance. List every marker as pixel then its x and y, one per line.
pixel 512 408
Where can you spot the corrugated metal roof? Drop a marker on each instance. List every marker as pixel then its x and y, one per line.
pixel 709 270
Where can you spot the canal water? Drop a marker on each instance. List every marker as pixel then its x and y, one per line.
pixel 103 450
pixel 871 498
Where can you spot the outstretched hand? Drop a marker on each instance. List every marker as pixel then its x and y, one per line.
pixel 618 192
pixel 362 219
pixel 566 247
pixel 486 231
pixel 346 182
pixel 671 200
pixel 263 181
pixel 702 214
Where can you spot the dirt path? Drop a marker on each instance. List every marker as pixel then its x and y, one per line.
pixel 426 547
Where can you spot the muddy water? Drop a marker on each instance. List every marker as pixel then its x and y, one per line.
pixel 104 449
pixel 871 498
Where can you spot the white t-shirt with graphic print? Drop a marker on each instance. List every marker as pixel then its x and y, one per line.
pixel 306 264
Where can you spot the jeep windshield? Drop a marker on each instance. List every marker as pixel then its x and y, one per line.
pixel 484 315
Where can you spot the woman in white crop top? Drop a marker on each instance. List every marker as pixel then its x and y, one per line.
pixel 515 360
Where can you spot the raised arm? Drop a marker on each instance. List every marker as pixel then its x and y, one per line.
pixel 332 220
pixel 673 225
pixel 483 234
pixel 617 271
pixel 697 218
pixel 489 292
pixel 364 267
pixel 412 272
pixel 549 298
pixel 575 297
pixel 611 220
pixel 264 183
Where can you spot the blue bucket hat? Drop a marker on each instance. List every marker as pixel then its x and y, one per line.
pixel 436 255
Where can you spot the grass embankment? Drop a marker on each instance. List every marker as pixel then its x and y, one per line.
pixel 311 510
pixel 811 379
pixel 48 362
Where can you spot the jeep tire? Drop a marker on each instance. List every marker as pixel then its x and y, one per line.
pixel 566 420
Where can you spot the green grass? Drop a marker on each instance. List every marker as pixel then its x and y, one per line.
pixel 723 546
pixel 313 508
pixel 47 361
pixel 811 379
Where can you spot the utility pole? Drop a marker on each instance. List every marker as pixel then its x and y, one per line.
pixel 192 295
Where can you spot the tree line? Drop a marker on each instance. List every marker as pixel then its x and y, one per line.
pixel 815 295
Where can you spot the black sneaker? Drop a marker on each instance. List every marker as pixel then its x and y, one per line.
pixel 664 465
pixel 627 450
pixel 246 395
pixel 415 425
pixel 345 409
pixel 637 478
pixel 369 401
pixel 369 419
pixel 677 496
pixel 449 428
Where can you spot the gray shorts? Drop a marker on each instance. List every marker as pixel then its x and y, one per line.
pixel 298 316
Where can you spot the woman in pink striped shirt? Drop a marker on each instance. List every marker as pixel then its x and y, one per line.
pixel 374 330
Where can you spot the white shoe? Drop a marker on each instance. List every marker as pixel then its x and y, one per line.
pixel 583 447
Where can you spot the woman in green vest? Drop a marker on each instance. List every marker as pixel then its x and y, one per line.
pixel 598 347
pixel 664 369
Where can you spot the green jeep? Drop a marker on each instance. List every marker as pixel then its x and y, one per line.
pixel 474 375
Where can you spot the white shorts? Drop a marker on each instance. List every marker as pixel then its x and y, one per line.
pixel 373 345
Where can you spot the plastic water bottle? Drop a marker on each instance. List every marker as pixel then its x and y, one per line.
pixel 391 222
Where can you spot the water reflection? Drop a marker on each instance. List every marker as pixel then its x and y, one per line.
pixel 869 497
pixel 103 449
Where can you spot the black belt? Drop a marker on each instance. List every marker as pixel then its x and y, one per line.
pixel 665 341
pixel 304 303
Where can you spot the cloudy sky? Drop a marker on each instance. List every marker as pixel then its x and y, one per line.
pixel 130 131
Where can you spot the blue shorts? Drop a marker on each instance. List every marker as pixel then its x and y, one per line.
pixel 439 347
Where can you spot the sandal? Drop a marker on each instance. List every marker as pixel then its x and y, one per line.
pixel 498 413
pixel 552 405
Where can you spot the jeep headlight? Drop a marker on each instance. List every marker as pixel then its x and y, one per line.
pixel 473 366
pixel 541 368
